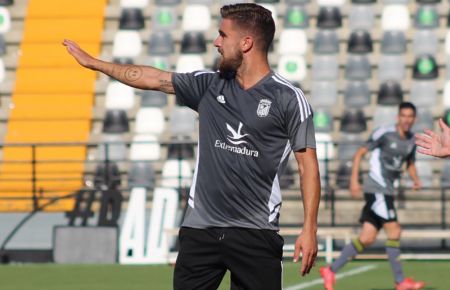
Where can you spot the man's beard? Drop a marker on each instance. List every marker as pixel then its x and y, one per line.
pixel 229 66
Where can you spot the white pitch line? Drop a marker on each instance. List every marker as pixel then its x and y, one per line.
pixel 353 272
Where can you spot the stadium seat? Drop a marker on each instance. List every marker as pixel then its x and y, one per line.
pixel 357 94
pixel 390 94
pixel 324 146
pixel 127 44
pixel 149 121
pixel 134 3
pixel 167 2
pixel 131 19
pixel 296 16
pixel 2 45
pixel 145 147
pixel 113 147
pixel 360 41
pixel 425 68
pixel 115 121
pixel 6 2
pixel 160 62
pixel 329 18
pixel 2 70
pixel 119 96
pixel 324 93
pixel 5 20
pixel 323 120
pixel 344 173
pixel 424 120
pixel 364 1
pixel 292 68
pixel 348 145
pixel 161 43
pixel 189 63
pixel 326 42
pixel 446 96
pixel 336 3
pixel 141 174
pixel 447 43
pixel 353 121
pixel 193 42
pixel 384 115
pixel 164 18
pixel 395 17
pixel 358 68
pixel 176 174
pixel 423 93
pixel 425 173
pixel 151 98
pixel 108 175
pixel 361 17
pixel 182 121
pixel 293 41
pixel 325 67
pixel 446 117
pixel 426 17
pixel 393 42
pixel 180 148
pixel 267 1
pixel 425 42
pixel 196 18
pixel 391 67
pixel 445 177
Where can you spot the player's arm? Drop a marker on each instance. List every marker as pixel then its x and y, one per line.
pixel 141 77
pixel 310 188
pixel 355 186
pixel 412 171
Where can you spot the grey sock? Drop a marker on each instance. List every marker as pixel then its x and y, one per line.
pixel 393 252
pixel 348 252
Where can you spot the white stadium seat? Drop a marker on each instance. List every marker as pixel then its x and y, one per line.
pixel 149 121
pixel 127 43
pixel 134 3
pixel 5 20
pixel 292 67
pixel 293 41
pixel 196 18
pixel 173 177
pixel 189 63
pixel 395 17
pixel 119 96
pixel 145 147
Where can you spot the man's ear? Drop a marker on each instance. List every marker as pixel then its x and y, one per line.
pixel 247 44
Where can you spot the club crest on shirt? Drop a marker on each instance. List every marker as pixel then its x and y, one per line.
pixel 263 108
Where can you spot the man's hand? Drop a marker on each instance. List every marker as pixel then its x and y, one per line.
pixel 435 144
pixel 82 57
pixel 355 189
pixel 306 243
pixel 417 184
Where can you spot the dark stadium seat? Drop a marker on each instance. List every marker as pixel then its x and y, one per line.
pixel 161 43
pixel 193 42
pixel 364 1
pixel 360 41
pixel 425 68
pixel 6 2
pixel 2 45
pixel 446 116
pixel 107 175
pixel 167 2
pixel 445 177
pixel 357 94
pixel 296 17
pixel 298 1
pixel 390 93
pixel 348 144
pixel 116 121
pixel 267 1
pixel 426 17
pixel 177 151
pixel 329 18
pixel 131 18
pixel 141 174
pixel 428 1
pixel 353 121
pixel 343 175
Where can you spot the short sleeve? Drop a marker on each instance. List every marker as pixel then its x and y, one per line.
pixel 375 139
pixel 300 126
pixel 190 87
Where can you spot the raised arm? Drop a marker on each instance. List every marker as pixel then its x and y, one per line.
pixel 355 186
pixel 435 144
pixel 141 77
pixel 310 188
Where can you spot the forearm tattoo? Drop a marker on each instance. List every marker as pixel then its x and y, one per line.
pixel 166 86
pixel 133 73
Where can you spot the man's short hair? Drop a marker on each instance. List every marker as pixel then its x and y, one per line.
pixel 407 105
pixel 253 17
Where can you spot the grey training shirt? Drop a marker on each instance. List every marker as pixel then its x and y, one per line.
pixel 389 151
pixel 245 137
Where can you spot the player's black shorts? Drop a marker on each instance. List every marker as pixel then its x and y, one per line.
pixel 253 257
pixel 379 209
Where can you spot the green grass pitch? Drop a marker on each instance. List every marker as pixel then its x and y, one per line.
pixel 118 277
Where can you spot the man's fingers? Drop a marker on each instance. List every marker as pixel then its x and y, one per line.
pixel 443 125
pixel 296 252
pixel 429 133
pixel 424 151
pixel 423 144
pixel 307 262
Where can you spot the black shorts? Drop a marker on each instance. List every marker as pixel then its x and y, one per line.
pixel 253 257
pixel 379 209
